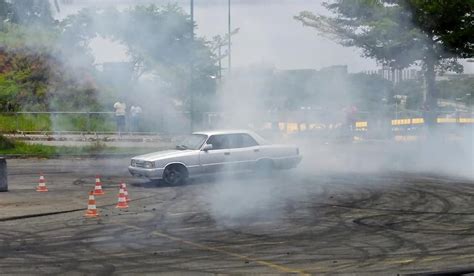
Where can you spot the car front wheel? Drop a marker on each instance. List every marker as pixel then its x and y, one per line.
pixel 175 174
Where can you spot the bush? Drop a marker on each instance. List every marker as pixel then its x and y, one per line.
pixel 6 143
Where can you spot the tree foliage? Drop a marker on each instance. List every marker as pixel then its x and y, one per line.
pixel 39 82
pixel 459 89
pixel 34 72
pixel 26 12
pixel 448 25
pixel 158 41
pixel 400 33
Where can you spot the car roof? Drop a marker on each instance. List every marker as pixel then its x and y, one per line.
pixel 223 131
pixel 257 137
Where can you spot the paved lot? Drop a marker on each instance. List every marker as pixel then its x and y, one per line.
pixel 309 220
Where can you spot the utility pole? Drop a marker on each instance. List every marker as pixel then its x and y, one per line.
pixel 191 68
pixel 219 73
pixel 229 41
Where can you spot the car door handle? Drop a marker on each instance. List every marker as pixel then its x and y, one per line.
pixel 226 153
pixel 256 150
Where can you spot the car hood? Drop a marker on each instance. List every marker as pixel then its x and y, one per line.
pixel 162 154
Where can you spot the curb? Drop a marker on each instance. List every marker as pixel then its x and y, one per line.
pixel 92 138
pixel 72 156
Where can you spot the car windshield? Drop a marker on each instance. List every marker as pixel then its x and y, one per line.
pixel 192 142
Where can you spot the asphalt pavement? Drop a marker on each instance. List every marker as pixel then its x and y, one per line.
pixel 339 214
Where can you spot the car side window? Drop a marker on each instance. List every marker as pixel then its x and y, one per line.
pixel 242 140
pixel 219 142
pixel 248 141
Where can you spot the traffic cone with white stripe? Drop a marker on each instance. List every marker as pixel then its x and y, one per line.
pixel 41 184
pixel 125 191
pixel 91 207
pixel 122 201
pixel 98 187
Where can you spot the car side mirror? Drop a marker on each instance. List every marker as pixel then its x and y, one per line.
pixel 207 147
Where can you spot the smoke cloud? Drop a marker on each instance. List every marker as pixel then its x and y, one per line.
pixel 260 93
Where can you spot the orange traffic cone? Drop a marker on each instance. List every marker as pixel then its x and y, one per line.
pixel 42 184
pixel 91 207
pixel 122 201
pixel 125 191
pixel 98 187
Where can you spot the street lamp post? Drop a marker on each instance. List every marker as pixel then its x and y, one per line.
pixel 229 35
pixel 191 68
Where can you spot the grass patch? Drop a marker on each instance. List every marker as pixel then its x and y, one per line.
pixel 57 122
pixel 25 122
pixel 30 149
pixel 6 143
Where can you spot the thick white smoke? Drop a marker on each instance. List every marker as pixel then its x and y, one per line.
pixel 270 40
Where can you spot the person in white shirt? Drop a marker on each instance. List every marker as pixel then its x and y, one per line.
pixel 120 112
pixel 135 115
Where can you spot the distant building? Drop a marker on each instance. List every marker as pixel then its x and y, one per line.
pixel 395 75
pixel 335 69
pixel 453 76
pixel 398 75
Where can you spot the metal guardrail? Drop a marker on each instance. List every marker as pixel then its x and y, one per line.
pixel 78 122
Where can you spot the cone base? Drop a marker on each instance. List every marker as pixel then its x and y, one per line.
pixel 41 190
pixel 121 206
pixel 91 215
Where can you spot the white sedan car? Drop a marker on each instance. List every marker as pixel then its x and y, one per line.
pixel 212 152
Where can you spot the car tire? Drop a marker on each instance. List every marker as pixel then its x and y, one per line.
pixel 175 174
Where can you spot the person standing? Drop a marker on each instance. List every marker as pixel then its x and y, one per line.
pixel 351 117
pixel 120 112
pixel 135 116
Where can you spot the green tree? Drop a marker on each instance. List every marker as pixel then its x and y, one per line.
pixel 51 67
pixel 368 92
pixel 413 89
pixel 35 72
pixel 6 11
pixel 217 43
pixel 460 89
pixel 399 33
pixel 164 45
pixel 26 12
pixel 158 41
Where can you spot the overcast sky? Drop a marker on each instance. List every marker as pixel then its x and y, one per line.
pixel 268 34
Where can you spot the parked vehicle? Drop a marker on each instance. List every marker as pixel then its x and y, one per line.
pixel 212 152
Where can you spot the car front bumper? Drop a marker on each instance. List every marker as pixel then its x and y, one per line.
pixel 155 173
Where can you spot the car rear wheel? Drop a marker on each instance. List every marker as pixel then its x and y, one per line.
pixel 175 174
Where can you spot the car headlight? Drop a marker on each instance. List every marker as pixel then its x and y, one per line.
pixel 149 165
pixel 133 163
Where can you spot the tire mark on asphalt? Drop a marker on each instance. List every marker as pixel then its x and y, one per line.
pixel 269 264
pixel 159 219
